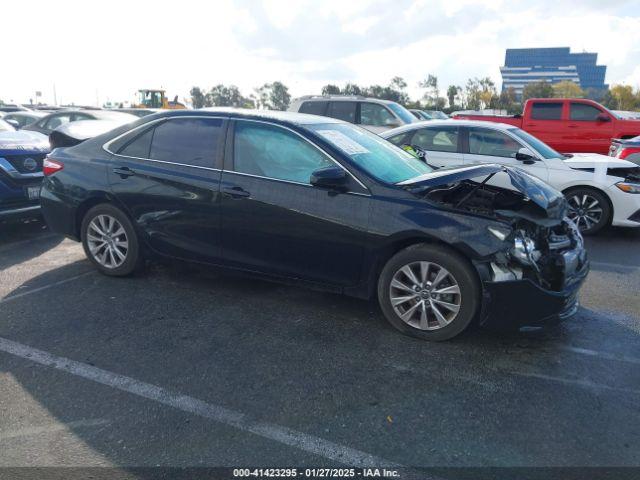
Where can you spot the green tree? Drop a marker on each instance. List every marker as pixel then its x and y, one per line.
pixel 226 96
pixel 352 89
pixel 197 97
pixel 624 97
pixel 274 96
pixel 507 101
pixel 567 89
pixel 453 93
pixel 330 90
pixel 540 89
pixel 432 92
pixel 472 93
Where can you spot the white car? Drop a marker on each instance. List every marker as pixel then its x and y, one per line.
pixel 371 113
pixel 601 190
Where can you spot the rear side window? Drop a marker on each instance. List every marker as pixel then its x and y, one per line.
pixel 56 121
pixel 583 112
pixel 192 141
pixel 139 147
pixel 343 111
pixel 402 138
pixel 376 115
pixel 443 139
pixel 546 111
pixel 314 108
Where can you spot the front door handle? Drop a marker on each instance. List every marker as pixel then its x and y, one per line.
pixel 236 192
pixel 124 172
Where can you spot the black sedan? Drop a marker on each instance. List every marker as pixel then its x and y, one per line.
pixel 49 123
pixel 317 201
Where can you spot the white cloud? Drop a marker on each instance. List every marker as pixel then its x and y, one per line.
pixel 111 51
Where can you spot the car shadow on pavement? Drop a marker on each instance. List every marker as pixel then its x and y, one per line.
pixel 324 364
pixel 22 241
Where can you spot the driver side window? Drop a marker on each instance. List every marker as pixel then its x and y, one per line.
pixel 273 152
pixel 484 141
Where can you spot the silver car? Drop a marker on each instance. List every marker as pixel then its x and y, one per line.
pixel 371 113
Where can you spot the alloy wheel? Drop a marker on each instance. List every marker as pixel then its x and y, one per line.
pixel 107 241
pixel 425 295
pixel 585 210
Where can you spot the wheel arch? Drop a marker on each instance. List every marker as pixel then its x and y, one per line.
pixel 596 189
pixel 397 244
pixel 96 198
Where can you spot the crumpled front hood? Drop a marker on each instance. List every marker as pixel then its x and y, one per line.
pixel 23 141
pixel 540 193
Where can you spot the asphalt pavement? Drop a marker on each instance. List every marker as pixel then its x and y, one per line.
pixel 181 366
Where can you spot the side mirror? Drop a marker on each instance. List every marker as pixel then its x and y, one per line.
pixel 14 123
pixel 332 178
pixel 391 123
pixel 526 156
pixel 603 117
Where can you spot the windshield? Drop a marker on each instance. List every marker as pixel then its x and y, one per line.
pixel 437 114
pixel 378 157
pixel 6 127
pixel 542 148
pixel 403 113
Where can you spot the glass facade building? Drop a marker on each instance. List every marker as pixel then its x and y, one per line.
pixel 527 65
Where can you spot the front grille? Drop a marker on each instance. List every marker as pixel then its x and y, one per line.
pixel 26 163
pixel 635 217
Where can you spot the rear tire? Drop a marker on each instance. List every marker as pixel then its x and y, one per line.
pixel 110 241
pixel 429 292
pixel 589 209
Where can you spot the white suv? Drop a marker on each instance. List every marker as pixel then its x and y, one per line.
pixel 371 113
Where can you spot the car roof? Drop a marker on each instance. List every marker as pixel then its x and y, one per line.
pixel 291 117
pixel 33 113
pixel 342 98
pixel 450 122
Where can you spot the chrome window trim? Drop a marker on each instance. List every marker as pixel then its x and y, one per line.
pixel 105 146
pixel 289 181
pixel 306 140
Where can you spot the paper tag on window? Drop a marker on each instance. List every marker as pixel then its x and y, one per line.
pixel 343 142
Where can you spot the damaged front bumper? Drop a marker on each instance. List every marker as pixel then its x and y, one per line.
pixel 514 304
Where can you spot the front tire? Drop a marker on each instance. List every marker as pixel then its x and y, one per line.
pixel 589 209
pixel 110 241
pixel 429 292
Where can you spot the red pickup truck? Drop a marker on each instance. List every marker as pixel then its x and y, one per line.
pixel 568 125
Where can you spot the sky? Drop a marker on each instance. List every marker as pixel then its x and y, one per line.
pixel 93 52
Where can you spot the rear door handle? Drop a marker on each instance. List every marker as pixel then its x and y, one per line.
pixel 124 172
pixel 236 192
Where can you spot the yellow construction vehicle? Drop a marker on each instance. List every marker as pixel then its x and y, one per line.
pixel 149 98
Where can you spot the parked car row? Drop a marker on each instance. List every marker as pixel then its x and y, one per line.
pixel 600 190
pixel 22 152
pixel 568 125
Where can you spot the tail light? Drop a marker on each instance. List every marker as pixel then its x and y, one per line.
pixel 625 152
pixel 50 166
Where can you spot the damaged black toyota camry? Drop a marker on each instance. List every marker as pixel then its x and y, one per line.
pixel 320 202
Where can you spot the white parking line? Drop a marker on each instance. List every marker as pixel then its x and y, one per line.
pixel 58 427
pixel 599 354
pixel 284 435
pixel 615 266
pixel 45 287
pixel 574 382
